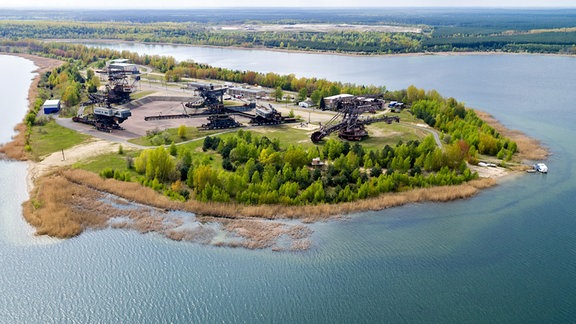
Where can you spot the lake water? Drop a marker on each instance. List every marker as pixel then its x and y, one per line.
pixel 507 255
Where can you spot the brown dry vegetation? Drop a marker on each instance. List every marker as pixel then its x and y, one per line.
pixel 65 203
pixel 62 209
pixel 144 195
pixel 16 148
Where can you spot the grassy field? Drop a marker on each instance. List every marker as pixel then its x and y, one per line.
pixel 287 134
pixel 192 133
pixel 111 160
pixel 117 161
pixel 380 135
pixel 52 137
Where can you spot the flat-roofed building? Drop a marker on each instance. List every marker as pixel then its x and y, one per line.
pixel 51 106
pixel 252 93
pixel 329 101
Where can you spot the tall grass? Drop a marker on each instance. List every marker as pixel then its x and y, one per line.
pixel 52 211
pixel 16 149
pixel 67 202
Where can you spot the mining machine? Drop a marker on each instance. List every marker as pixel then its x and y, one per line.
pixel 213 98
pixel 210 104
pixel 348 121
pixel 120 85
pixel 104 116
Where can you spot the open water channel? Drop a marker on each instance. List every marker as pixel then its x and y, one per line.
pixel 506 255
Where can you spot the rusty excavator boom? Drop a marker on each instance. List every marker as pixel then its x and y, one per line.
pixel 348 121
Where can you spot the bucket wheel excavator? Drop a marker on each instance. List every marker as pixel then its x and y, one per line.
pixel 348 121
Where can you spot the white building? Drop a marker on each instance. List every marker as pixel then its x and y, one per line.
pixel 329 101
pixel 124 67
pixel 51 106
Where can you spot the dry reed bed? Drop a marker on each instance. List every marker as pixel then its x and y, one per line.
pixel 15 149
pixel 67 202
pixel 137 193
pixel 258 234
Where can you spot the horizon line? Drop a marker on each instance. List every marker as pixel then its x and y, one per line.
pixel 287 7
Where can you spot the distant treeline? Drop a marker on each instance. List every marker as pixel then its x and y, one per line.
pixel 198 34
pixel 474 18
pixel 432 39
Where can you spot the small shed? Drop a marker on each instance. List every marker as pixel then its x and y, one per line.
pixel 51 106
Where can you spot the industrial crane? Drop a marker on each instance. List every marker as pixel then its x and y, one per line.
pixel 352 127
pixel 220 116
pixel 105 117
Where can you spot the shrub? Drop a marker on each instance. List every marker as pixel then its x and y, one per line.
pixel 107 173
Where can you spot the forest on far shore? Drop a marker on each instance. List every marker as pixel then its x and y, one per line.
pixel 435 30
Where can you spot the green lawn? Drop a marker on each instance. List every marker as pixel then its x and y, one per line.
pixel 382 134
pixel 111 160
pixel 379 135
pixel 52 137
pixel 171 134
pixel 287 134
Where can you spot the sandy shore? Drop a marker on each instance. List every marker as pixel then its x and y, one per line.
pixel 68 157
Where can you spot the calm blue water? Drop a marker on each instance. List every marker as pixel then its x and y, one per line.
pixel 507 255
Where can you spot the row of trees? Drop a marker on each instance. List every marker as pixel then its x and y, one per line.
pixel 559 40
pixel 64 82
pixel 257 170
pixel 460 124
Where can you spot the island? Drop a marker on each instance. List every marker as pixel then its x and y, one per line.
pixel 253 192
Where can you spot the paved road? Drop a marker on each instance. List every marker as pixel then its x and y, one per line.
pixel 119 136
pixel 429 130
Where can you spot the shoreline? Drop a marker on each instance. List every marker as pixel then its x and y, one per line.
pixel 15 149
pixel 240 219
pixel 301 51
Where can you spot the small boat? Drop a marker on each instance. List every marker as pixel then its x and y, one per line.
pixel 541 167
